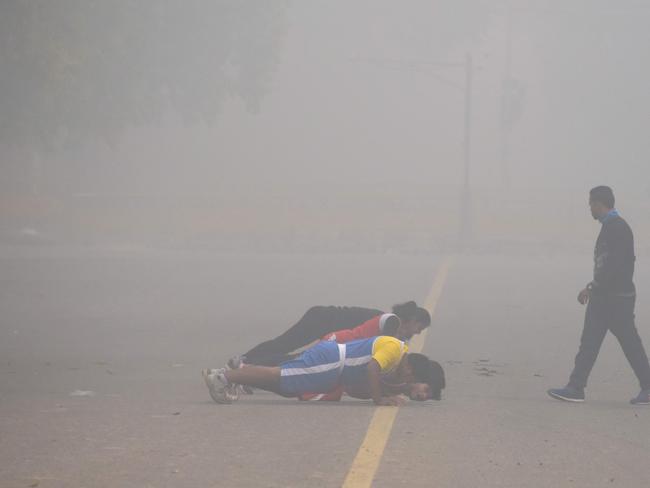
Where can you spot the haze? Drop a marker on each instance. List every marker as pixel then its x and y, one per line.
pixel 182 180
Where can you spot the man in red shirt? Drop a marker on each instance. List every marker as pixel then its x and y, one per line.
pixel 406 320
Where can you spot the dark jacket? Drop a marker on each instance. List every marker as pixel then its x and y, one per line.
pixel 614 259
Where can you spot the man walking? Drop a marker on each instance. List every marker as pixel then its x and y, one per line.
pixel 610 299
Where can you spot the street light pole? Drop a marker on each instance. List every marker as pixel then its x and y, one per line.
pixel 466 231
pixel 505 93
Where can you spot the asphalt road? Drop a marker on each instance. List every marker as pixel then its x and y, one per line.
pixel 134 328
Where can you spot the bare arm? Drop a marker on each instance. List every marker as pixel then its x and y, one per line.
pixel 374 384
pixel 363 392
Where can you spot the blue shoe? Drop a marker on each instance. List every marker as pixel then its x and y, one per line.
pixel 568 394
pixel 643 398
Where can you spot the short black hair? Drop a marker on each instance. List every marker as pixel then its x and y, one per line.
pixel 604 195
pixel 411 311
pixel 428 371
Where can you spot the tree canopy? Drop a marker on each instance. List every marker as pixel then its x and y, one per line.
pixel 79 69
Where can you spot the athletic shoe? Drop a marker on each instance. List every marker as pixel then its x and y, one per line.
pixel 643 398
pixel 245 389
pixel 568 394
pixel 220 390
pixel 237 362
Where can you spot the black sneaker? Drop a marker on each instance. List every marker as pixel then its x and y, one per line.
pixel 643 398
pixel 568 394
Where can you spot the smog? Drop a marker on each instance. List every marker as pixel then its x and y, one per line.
pixel 200 201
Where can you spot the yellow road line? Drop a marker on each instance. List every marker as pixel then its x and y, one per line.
pixel 366 462
pixel 417 343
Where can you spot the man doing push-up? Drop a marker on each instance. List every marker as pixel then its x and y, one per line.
pixel 358 366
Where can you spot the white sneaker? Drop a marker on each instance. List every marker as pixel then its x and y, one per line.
pixel 220 390
pixel 245 389
pixel 237 362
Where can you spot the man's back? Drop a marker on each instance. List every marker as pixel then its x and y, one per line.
pixel 614 259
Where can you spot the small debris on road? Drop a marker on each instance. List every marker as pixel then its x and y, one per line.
pixel 82 393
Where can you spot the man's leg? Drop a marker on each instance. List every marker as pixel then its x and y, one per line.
pixel 593 333
pixel 262 377
pixel 626 332
pixel 316 322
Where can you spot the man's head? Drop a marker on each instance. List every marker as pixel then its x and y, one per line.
pixel 601 201
pixel 426 378
pixel 413 320
pixel 419 392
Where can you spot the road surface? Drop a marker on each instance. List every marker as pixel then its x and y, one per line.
pixel 101 352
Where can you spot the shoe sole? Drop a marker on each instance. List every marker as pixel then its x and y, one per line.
pixel 565 399
pixel 214 393
pixel 640 403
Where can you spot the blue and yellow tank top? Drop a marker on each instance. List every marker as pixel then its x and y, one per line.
pixel 387 351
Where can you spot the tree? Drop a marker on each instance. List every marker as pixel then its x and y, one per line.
pixel 76 70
